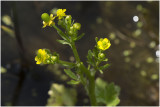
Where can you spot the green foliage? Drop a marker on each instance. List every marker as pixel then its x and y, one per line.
pixel 99 93
pixel 70 74
pixel 107 93
pixel 95 57
pixel 73 82
pixel 61 96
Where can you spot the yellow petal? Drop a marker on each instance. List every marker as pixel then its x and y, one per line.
pixel 40 51
pixel 38 62
pixel 105 40
pixel 51 15
pixel 50 22
pixel 64 10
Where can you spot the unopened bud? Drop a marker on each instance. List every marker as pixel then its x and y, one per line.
pixel 101 55
pixel 77 26
pixel 68 19
pixel 54 58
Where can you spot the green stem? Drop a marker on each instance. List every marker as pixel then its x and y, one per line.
pixel 65 63
pixel 75 52
pixel 91 87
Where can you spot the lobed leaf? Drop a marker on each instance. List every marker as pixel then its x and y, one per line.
pixel 107 93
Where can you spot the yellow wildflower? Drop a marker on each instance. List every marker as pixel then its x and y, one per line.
pixel 103 44
pixel 61 13
pixel 50 22
pixel 41 57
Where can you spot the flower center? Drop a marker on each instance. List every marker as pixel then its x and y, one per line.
pixel 104 43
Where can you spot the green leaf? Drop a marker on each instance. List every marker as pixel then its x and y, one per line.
pixel 96 39
pixel 112 93
pixel 61 33
pixel 101 71
pixel 100 90
pixel 114 102
pixel 95 52
pixel 89 57
pixel 70 74
pixel 63 42
pixel 73 82
pixel 104 66
pixel 80 36
pixel 105 59
pixel 66 64
pixel 107 93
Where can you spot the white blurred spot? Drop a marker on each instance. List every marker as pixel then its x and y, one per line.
pixel 135 18
pixel 158 53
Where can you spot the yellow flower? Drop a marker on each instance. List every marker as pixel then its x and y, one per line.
pixel 61 13
pixel 50 22
pixel 41 57
pixel 103 44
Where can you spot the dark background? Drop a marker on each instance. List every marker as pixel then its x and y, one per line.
pixel 26 84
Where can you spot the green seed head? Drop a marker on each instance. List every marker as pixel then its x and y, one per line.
pixel 45 17
pixel 77 26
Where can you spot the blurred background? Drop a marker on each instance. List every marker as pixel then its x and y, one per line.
pixel 132 27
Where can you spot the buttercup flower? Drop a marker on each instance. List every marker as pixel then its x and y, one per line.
pixel 41 57
pixel 61 13
pixel 103 44
pixel 47 20
pixel 45 57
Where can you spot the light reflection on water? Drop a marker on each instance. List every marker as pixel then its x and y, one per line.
pixel 135 18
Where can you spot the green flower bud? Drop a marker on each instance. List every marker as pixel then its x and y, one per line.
pixel 96 38
pixel 71 28
pixel 77 26
pixel 68 19
pixel 71 32
pixel 45 17
pixel 54 58
pixel 101 55
pixel 48 61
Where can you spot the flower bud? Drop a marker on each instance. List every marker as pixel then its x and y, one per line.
pixel 68 19
pixel 45 17
pixel 54 58
pixel 71 28
pixel 77 26
pixel 71 32
pixel 101 55
pixel 47 61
